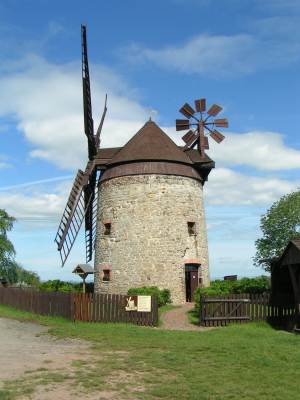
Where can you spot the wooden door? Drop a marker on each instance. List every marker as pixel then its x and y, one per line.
pixel 191 281
pixel 194 282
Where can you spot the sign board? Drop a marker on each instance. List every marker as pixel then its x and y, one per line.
pixel 138 303
pixel 144 304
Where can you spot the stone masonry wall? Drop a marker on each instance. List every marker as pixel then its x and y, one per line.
pixel 149 242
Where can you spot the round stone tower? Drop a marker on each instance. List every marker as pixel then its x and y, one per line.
pixel 151 227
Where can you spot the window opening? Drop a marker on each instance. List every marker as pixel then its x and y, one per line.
pixel 107 228
pixel 191 228
pixel 106 275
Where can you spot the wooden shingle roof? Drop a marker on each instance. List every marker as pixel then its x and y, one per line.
pixel 150 143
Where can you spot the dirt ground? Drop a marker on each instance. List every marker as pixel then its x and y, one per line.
pixel 27 352
pixel 25 346
pixel 177 319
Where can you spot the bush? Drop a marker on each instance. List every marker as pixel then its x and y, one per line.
pixel 163 295
pixel 258 285
pixel 60 286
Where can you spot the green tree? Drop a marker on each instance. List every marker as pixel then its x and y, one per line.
pixel 7 251
pixel 9 269
pixel 279 225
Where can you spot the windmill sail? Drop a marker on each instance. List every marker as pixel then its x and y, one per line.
pixel 97 138
pixel 72 218
pixel 90 200
pixel 82 202
pixel 87 104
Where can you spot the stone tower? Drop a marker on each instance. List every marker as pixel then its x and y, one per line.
pixel 151 227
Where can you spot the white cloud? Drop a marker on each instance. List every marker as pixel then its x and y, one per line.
pixel 262 150
pixel 265 151
pixel 227 187
pixel 46 102
pixel 269 43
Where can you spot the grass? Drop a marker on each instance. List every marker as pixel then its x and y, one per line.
pixel 249 361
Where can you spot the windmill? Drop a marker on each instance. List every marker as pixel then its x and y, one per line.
pixel 199 122
pixel 82 201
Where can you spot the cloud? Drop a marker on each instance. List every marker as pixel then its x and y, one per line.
pixel 45 100
pixel 227 187
pixel 268 43
pixel 264 151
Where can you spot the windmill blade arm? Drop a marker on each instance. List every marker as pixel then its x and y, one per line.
pixel 87 104
pixel 91 196
pixel 97 138
pixel 72 217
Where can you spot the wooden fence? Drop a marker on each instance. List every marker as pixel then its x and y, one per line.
pixel 111 308
pixel 241 308
pixel 79 307
pixel 43 303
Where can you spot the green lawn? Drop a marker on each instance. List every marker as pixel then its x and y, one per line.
pixel 249 361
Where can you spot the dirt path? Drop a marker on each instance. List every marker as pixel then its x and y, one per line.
pixel 25 346
pixel 37 366
pixel 177 319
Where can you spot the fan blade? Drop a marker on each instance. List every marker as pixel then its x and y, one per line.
pixel 101 124
pixel 189 137
pixel 192 143
pixel 214 110
pixel 87 104
pixel 217 136
pixel 182 124
pixel 200 105
pixel 187 110
pixel 222 122
pixel 72 217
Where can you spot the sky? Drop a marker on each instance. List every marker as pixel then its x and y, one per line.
pixel 150 58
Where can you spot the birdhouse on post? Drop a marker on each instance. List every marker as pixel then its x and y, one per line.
pixel 83 270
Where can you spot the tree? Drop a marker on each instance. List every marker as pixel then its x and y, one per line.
pixel 279 225
pixel 9 269
pixel 7 251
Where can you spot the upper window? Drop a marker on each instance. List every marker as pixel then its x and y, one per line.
pixel 106 275
pixel 107 228
pixel 191 228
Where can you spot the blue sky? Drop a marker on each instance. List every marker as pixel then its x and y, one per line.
pixel 150 57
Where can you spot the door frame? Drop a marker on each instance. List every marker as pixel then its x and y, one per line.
pixel 190 268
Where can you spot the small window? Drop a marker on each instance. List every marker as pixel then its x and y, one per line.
pixel 191 228
pixel 107 228
pixel 106 275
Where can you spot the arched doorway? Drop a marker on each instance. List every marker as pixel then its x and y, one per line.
pixel 191 280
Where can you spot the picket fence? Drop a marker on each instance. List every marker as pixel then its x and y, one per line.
pixel 78 306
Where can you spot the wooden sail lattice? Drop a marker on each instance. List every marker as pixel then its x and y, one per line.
pixel 82 202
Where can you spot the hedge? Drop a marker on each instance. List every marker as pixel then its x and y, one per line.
pixel 258 285
pixel 163 295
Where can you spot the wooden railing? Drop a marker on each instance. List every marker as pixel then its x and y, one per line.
pixel 78 307
pixel 241 308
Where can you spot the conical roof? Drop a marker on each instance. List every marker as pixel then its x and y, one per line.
pixel 150 143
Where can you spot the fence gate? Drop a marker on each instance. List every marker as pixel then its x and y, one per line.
pixel 219 311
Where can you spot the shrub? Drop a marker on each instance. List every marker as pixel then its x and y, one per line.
pixel 163 295
pixel 258 285
pixel 60 286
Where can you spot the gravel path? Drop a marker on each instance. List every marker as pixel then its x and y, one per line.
pixel 177 319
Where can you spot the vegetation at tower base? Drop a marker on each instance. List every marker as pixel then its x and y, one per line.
pixel 279 225
pixel 163 295
pixel 258 285
pixel 9 269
